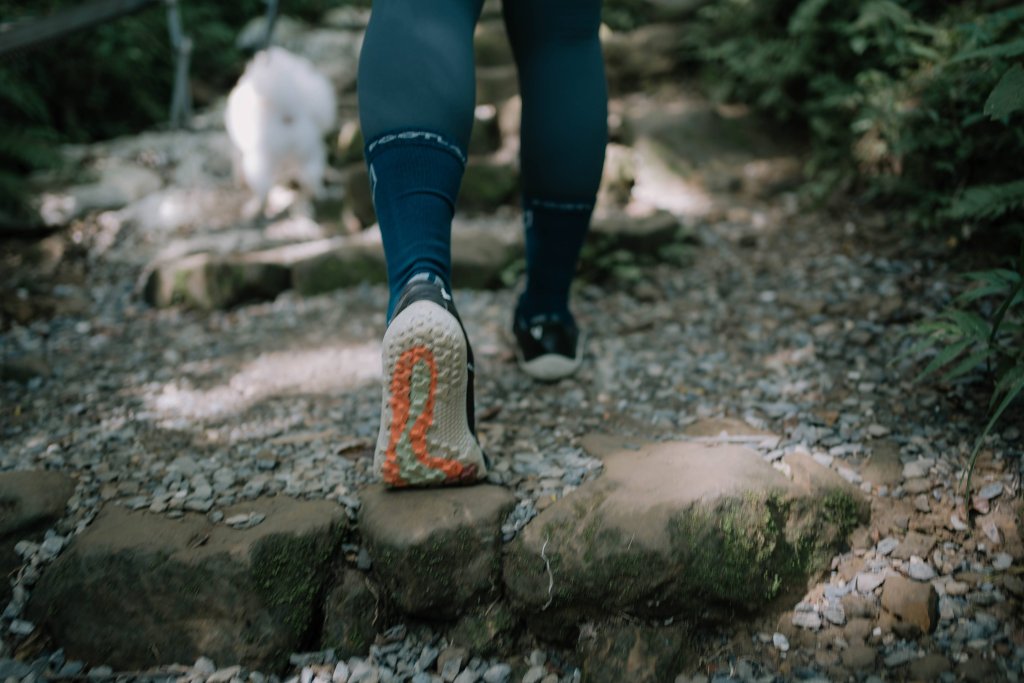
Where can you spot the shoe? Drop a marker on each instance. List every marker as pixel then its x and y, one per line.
pixel 548 347
pixel 427 433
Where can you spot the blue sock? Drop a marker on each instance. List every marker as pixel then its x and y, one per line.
pixel 555 233
pixel 415 178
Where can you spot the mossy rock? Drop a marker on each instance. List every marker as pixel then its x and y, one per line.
pixel 679 530
pixel 212 281
pixel 137 590
pixel 351 612
pixel 436 553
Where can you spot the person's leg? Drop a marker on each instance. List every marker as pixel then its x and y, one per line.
pixel 564 134
pixel 416 98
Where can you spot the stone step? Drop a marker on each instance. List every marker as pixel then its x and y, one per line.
pixel 482 250
pixel 30 502
pixel 678 530
pixel 684 533
pixel 136 589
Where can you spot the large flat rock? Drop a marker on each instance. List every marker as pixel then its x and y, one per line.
pixel 137 589
pixel 30 502
pixel 436 552
pixel 679 529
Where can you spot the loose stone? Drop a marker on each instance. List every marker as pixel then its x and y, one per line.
pixel 780 642
pixel 990 491
pixel 1002 561
pixel 920 571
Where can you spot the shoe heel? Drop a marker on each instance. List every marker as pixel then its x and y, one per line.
pixel 424 437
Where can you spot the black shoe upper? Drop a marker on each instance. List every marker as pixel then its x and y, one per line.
pixel 545 335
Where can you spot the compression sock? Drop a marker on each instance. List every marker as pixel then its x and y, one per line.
pixel 555 233
pixel 415 178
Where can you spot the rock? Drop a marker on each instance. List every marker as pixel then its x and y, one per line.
pixel 929 667
pixel 30 502
pixel 990 491
pixel 899 657
pixel 859 606
pixel 628 652
pixel 490 43
pixel 482 248
pixel 859 657
pixel 868 582
pixel 677 529
pixel 915 544
pixel 350 612
pixel 917 469
pixel 913 603
pixel 487 631
pixel 339 262
pixel 24 368
pixel 1002 561
pixel 499 673
pixel 780 642
pixel 208 281
pixel 647 230
pixel 618 177
pixel 350 146
pixel 534 674
pixel 807 619
pixel 857 630
pixel 727 427
pixel 834 613
pixel 883 467
pixel 920 571
pixel 495 84
pixel 436 552
pixel 488 183
pixel 120 183
pixel 358 198
pixel 236 596
pixel 486 135
pixel 886 546
pixel 450 661
pixel 977 670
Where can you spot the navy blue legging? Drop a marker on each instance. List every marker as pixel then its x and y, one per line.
pixel 416 74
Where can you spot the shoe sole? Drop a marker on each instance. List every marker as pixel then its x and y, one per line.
pixel 551 366
pixel 424 437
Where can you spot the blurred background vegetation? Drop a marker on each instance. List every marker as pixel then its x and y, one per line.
pixel 114 79
pixel 913 104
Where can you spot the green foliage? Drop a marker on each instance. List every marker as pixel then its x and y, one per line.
pixel 905 99
pixel 984 327
pixel 919 106
pixel 26 145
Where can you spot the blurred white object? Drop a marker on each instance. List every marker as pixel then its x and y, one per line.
pixel 277 115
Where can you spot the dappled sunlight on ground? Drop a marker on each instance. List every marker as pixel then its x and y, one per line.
pixel 311 371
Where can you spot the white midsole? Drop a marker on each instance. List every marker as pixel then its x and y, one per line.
pixel 552 366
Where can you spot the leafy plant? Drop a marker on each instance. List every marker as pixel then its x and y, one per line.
pixel 903 100
pixel 26 145
pixel 991 335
